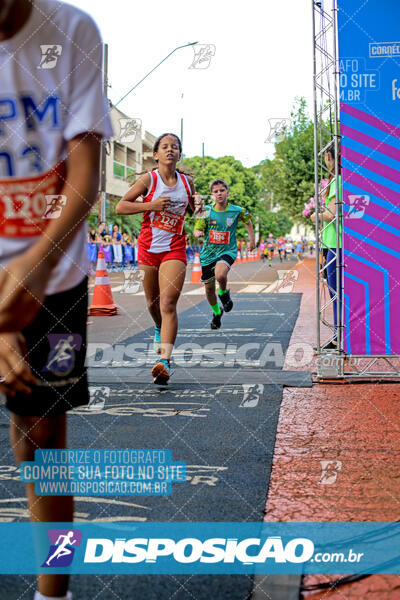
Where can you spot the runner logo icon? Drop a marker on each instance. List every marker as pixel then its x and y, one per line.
pixel 61 551
pixel 128 129
pixel 61 358
pixel 203 54
pixel 278 129
pixel 357 205
pixel 50 55
pixel 251 394
pixel 329 471
pixel 54 206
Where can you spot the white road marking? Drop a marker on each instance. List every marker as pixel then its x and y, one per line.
pixel 252 289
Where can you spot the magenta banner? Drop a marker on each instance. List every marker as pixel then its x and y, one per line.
pixel 369 61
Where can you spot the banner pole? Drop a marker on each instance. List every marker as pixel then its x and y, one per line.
pixel 317 207
pixel 339 251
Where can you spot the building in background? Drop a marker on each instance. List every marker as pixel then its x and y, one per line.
pixel 148 142
pixel 300 231
pixel 129 153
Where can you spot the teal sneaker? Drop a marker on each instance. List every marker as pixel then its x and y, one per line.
pixel 161 372
pixel 157 340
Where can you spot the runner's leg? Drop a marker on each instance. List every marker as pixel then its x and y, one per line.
pixel 211 295
pixel 171 277
pixel 221 275
pixel 27 435
pixel 152 292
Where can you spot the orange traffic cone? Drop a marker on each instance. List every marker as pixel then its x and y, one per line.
pixel 238 259
pixel 196 271
pixel 102 302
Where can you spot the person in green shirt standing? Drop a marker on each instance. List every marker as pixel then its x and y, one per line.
pixel 329 243
pixel 218 227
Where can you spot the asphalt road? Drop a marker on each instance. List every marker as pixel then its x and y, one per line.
pixel 224 430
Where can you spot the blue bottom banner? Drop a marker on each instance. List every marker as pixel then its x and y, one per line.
pixel 203 547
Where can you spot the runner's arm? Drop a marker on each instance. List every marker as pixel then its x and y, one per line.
pixel 15 373
pixel 194 193
pixel 128 205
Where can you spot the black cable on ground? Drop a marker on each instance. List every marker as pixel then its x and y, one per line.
pixel 353 381
pixel 331 585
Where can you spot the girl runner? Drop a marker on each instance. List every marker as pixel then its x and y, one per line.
pixel 281 248
pixel 262 249
pixel 161 244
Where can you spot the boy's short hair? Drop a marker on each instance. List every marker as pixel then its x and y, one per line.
pixel 219 182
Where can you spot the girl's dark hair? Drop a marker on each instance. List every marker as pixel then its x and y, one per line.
pixel 163 135
pixel 331 150
pixel 183 170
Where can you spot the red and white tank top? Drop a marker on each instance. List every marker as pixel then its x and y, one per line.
pixel 164 230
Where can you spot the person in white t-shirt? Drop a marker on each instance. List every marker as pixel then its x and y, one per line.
pixel 52 117
pixel 288 248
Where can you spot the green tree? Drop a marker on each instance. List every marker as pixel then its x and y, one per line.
pixel 245 187
pixel 289 177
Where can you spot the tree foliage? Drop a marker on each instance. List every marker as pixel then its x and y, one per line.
pixel 246 189
pixel 289 176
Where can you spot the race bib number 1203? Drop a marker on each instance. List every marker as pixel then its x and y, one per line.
pixel 27 204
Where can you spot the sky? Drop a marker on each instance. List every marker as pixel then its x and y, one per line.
pixel 260 60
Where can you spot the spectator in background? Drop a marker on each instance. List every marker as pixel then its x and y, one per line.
pixel 106 246
pixel 135 249
pixel 102 230
pixel 127 250
pixel 92 250
pixel 117 247
pixel 329 241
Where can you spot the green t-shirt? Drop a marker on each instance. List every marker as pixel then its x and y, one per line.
pixel 224 223
pixel 329 233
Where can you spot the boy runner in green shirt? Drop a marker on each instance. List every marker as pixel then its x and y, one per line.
pixel 218 227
